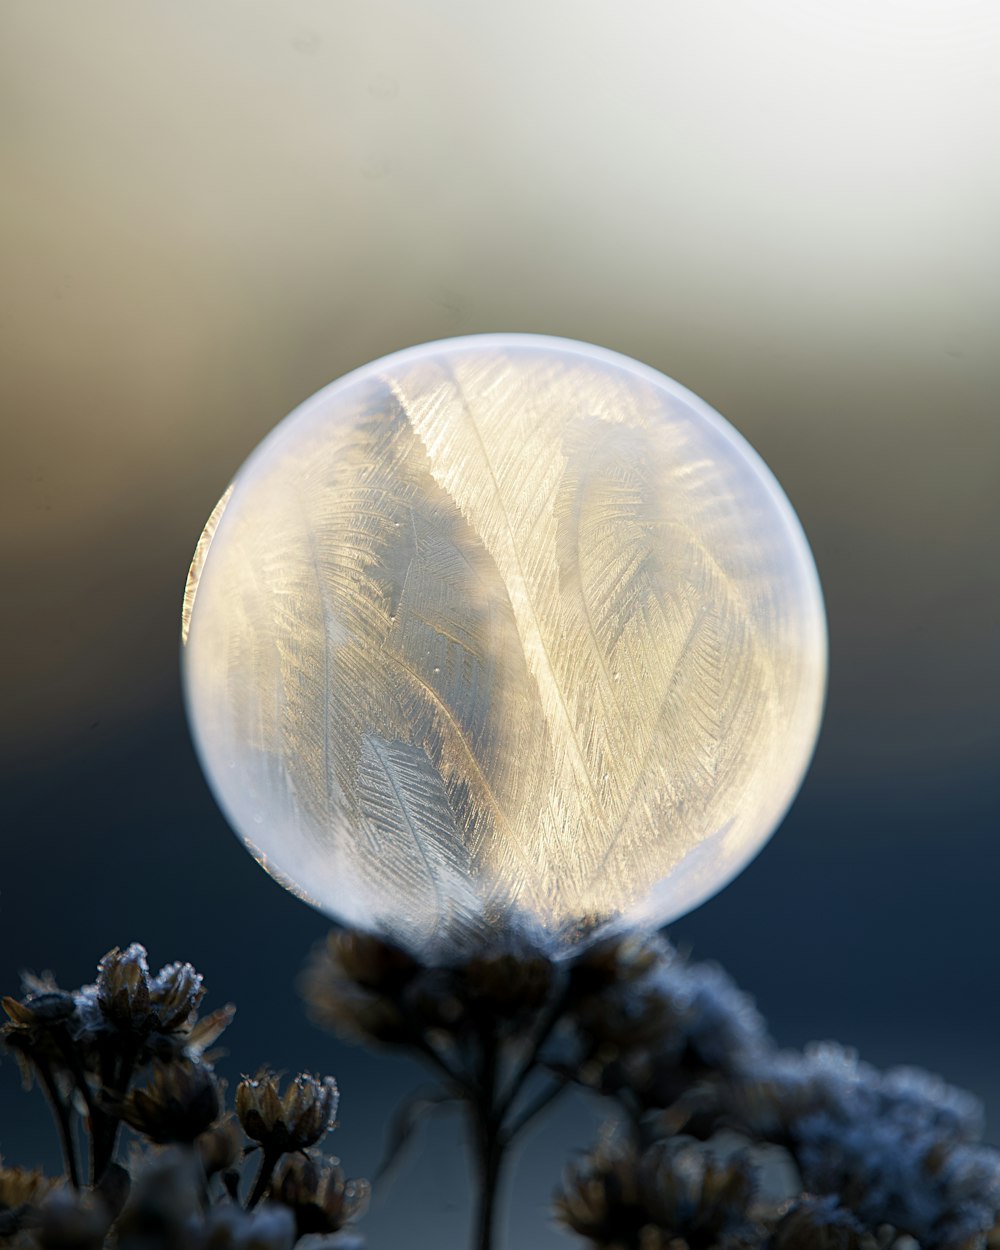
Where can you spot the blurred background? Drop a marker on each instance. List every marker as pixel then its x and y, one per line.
pixel 211 208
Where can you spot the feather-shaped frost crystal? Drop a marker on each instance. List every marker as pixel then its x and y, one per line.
pixel 504 630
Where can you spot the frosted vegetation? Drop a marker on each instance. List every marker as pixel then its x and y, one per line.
pixel 716 1139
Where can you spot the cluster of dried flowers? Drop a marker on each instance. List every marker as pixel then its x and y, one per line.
pixel 131 1050
pixel 717 1141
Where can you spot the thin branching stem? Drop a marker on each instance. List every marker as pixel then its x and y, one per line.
pixel 545 1098
pixel 544 1032
pixel 441 1064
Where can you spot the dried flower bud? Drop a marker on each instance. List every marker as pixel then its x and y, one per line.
pixel 434 1003
pixel 123 986
pixel 371 961
pixel 293 1121
pixel 174 995
pixel 220 1146
pixel 161 1012
pixel 507 986
pixel 38 1026
pixel 356 985
pixel 818 1224
pixel 322 1199
pixel 669 1198
pixel 179 1103
pixel 39 1011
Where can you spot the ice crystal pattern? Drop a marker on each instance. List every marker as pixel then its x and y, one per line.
pixel 504 627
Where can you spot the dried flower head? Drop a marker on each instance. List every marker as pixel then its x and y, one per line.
pixel 295 1120
pixel 371 961
pixel 672 1197
pixel 319 1195
pixel 504 988
pixel 616 962
pixel 39 1027
pixel 165 1005
pixel 663 1032
pixel 356 984
pixel 180 1101
pixel 895 1148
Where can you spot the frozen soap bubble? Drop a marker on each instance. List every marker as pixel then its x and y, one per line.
pixel 504 630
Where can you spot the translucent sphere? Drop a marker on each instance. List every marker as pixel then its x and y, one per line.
pixel 504 631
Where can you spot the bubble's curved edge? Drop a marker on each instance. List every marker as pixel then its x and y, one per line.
pixel 195 570
pixel 274 872
pixel 553 343
pixel 198 562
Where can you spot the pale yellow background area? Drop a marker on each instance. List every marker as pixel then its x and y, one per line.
pixel 209 209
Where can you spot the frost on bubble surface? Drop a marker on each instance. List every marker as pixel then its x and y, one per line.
pixel 506 627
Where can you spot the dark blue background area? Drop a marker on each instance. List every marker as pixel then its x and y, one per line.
pixel 870 918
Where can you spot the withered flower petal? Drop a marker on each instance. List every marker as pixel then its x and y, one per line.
pixel 207 1031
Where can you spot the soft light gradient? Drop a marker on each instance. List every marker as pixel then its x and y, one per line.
pixel 210 208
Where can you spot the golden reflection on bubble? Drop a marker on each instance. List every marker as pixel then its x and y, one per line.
pixel 504 629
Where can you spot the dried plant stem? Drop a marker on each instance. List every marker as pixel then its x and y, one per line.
pixel 492 1152
pixel 544 1032
pixel 495 1126
pixel 268 1162
pixel 117 1068
pixel 61 1113
pixel 490 1145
